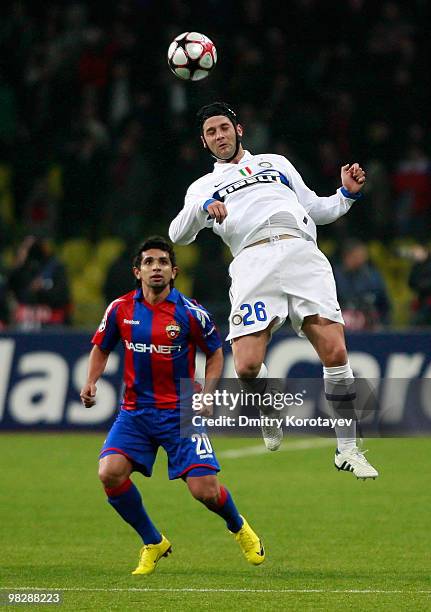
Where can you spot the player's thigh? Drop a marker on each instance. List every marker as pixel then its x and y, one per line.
pixel 131 437
pixel 187 447
pixel 327 338
pixel 257 299
pixel 310 285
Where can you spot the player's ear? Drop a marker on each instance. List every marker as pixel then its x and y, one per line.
pixel 175 271
pixel 239 130
pixel 203 142
pixel 136 273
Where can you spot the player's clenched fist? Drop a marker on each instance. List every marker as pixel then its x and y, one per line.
pixel 352 177
pixel 88 395
pixel 218 211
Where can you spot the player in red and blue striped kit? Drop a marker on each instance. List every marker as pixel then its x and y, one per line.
pixel 160 329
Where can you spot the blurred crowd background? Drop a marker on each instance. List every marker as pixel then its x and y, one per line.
pixel 98 144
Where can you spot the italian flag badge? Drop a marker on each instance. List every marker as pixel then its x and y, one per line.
pixel 246 171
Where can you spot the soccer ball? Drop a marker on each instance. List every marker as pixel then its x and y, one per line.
pixel 192 56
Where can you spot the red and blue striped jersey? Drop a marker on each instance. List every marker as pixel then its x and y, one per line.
pixel 160 344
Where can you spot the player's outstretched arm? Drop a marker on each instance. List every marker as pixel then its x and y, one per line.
pixel 96 366
pixel 326 209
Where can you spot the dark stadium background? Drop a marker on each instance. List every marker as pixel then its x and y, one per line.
pixel 98 144
pixel 98 139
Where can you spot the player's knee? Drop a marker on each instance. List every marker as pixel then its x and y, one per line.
pixel 247 368
pixel 205 493
pixel 336 356
pixel 111 476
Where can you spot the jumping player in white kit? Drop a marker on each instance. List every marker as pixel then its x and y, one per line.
pixel 261 208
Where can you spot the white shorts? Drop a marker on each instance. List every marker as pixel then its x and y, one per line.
pixel 279 279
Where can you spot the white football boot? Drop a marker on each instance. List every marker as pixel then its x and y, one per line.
pixel 272 435
pixel 354 461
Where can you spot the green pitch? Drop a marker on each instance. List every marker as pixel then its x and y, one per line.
pixel 332 542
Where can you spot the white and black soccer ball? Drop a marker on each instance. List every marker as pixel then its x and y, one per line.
pixel 192 56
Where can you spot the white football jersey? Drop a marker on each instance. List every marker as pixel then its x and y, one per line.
pixel 253 190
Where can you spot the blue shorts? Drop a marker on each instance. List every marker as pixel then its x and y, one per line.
pixel 138 435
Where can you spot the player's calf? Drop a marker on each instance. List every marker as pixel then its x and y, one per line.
pixel 217 499
pixel 272 434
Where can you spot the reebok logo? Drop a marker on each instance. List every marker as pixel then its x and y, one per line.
pixel 130 322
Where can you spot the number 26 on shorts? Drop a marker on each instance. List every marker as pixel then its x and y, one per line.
pixel 253 313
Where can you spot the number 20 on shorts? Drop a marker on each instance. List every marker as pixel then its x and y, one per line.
pixel 203 444
pixel 253 313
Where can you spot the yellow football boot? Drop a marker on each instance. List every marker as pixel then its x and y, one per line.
pixel 250 543
pixel 150 555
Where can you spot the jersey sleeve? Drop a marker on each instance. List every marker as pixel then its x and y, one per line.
pixel 192 218
pixel 108 333
pixel 203 330
pixel 322 209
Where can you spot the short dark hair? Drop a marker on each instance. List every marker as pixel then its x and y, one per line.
pixel 154 242
pixel 213 110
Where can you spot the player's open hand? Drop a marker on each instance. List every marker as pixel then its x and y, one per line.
pixel 352 177
pixel 88 394
pixel 218 211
